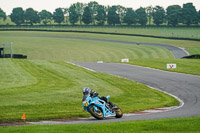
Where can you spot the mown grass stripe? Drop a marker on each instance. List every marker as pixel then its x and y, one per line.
pixel 13 75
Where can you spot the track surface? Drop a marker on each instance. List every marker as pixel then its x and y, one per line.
pixel 184 86
pixel 177 52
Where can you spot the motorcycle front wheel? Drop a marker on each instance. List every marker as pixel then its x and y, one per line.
pixel 96 114
pixel 119 113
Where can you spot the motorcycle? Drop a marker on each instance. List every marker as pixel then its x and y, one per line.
pixel 99 109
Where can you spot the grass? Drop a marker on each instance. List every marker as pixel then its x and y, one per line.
pixel 180 125
pixel 59 48
pixel 51 90
pixel 193 50
pixel 47 48
pixel 189 66
pixel 178 43
pixel 155 31
pixel 44 48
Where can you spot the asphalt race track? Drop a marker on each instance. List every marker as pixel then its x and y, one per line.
pixel 184 86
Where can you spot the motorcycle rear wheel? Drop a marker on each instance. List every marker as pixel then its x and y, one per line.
pixel 96 114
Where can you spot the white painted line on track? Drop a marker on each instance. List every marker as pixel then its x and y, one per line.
pixel 185 50
pixel 80 66
pixel 181 103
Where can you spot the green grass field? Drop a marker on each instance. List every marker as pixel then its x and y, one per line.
pixel 179 43
pixel 189 66
pixel 175 125
pixel 66 49
pixel 193 50
pixel 154 31
pixel 47 48
pixel 49 90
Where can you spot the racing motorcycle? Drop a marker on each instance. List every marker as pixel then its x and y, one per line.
pixel 99 109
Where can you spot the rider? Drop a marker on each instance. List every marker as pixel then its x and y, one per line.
pixel 87 91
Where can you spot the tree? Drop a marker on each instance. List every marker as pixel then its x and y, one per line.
pixel 17 16
pixel 101 15
pixel 45 16
pixel 93 5
pixel 189 14
pixel 79 10
pixel 66 14
pixel 149 11
pixel 58 15
pixel 173 14
pixel 158 15
pixel 107 9
pixel 2 14
pixel 130 17
pixel 31 16
pixel 141 16
pixel 73 15
pixel 113 17
pixel 199 15
pixel 87 18
pixel 121 11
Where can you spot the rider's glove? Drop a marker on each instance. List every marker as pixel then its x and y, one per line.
pixel 93 94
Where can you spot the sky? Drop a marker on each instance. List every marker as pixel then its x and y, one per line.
pixel 50 5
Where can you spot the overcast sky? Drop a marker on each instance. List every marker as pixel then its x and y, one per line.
pixel 51 5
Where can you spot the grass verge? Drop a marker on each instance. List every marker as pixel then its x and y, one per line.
pixel 189 66
pixel 175 125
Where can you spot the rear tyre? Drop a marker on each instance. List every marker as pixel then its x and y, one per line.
pixel 96 114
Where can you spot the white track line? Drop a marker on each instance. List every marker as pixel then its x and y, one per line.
pixel 80 66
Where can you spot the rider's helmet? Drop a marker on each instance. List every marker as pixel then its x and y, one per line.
pixel 86 91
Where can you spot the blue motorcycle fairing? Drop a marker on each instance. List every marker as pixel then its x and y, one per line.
pixel 91 101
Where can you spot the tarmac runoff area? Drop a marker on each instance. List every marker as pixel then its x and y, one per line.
pixel 184 87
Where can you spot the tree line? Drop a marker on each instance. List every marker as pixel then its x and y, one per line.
pixel 96 14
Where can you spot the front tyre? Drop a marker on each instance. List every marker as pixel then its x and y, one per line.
pixel 96 114
pixel 119 113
